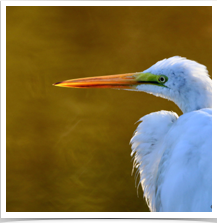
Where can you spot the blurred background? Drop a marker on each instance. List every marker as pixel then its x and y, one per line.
pixel 68 149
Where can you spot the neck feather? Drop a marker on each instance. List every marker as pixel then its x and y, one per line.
pixel 191 99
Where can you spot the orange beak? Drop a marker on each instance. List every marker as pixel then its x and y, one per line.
pixel 123 81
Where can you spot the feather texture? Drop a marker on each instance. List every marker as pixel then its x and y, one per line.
pixel 174 160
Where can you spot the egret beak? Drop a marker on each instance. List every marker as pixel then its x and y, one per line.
pixel 118 81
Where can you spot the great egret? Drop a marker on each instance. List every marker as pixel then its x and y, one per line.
pixel 173 154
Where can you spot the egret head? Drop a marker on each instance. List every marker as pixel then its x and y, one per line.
pixel 183 81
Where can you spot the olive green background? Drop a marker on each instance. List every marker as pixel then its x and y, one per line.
pixel 68 149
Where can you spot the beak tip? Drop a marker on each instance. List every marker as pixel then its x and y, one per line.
pixel 56 84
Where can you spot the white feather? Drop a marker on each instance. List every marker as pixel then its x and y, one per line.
pixel 188 85
pixel 174 155
pixel 174 158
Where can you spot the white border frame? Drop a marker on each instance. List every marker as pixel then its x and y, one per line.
pixel 5 214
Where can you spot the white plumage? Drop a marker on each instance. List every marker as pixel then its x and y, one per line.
pixel 173 154
pixel 188 85
pixel 174 158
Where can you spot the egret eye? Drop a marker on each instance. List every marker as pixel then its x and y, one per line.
pixel 162 79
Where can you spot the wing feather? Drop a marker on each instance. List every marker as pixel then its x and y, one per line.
pixel 147 151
